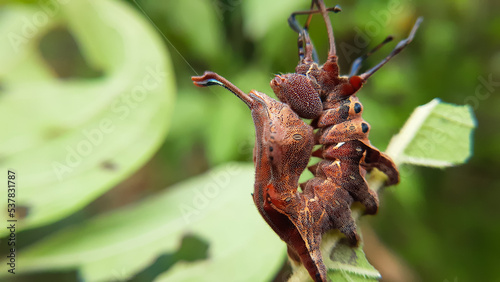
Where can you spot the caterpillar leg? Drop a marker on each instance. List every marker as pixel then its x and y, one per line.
pixel 307 52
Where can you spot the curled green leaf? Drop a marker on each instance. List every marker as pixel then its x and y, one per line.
pixel 215 210
pixel 71 140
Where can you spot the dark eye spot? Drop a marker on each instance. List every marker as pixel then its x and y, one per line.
pixel 271 158
pixel 271 149
pixel 364 127
pixel 357 108
pixel 297 137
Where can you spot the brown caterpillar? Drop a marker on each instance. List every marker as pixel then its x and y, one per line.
pixel 320 93
pixel 284 147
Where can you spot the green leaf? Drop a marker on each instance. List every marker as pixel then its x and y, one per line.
pixel 350 264
pixel 437 135
pixel 71 140
pixel 343 262
pixel 216 208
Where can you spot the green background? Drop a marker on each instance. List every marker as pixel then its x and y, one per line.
pixel 439 225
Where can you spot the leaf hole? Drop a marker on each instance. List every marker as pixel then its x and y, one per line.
pixel 60 51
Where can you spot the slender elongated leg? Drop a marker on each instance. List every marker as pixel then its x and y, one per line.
pixel 401 45
pixel 304 41
pixel 357 63
pixel 307 52
pixel 332 52
pixel 294 24
pixel 211 78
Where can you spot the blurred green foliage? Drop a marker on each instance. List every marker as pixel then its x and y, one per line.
pixel 87 132
pixel 442 223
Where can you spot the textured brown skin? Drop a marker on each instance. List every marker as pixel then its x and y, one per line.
pixel 345 149
pixel 282 151
pixel 299 93
pixel 284 146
